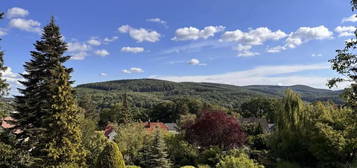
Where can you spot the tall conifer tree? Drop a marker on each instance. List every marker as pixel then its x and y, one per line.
pixel 48 116
pixel 3 85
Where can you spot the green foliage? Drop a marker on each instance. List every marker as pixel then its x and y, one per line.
pixel 111 157
pixel 4 87
pixel 90 111
pixel 47 111
pixel 119 113
pixel 259 108
pixel 321 134
pixel 210 156
pixel 236 162
pixel 144 94
pixel 332 138
pixel 203 166
pixel 130 166
pixel 181 152
pixel 94 144
pixel 288 142
pixel 188 167
pixel 345 65
pixel 131 139
pixel 154 153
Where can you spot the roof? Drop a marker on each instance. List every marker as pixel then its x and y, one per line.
pixel 171 126
pixel 5 124
pixel 150 126
pixel 108 130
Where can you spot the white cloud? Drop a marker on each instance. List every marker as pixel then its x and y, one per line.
pixel 26 25
pixel 192 33
pixel 94 42
pixel 194 61
pixel 110 39
pixel 306 34
pixel 352 18
pixel 316 55
pixel 195 46
pixel 77 47
pixel 345 31
pixel 102 53
pixel 276 49
pixel 133 70
pixel 157 20
pixel 253 37
pixel 16 12
pixel 12 79
pixel 132 49
pixel 262 75
pixel 78 50
pixel 247 53
pixel 103 74
pixel 79 56
pixel 141 34
pixel 2 32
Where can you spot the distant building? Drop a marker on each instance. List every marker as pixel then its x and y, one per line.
pixel 6 125
pixel 109 132
pixel 169 127
pixel 151 126
pixel 172 127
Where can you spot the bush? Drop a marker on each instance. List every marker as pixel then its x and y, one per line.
pixel 111 157
pixel 237 162
pixel 204 166
pixel 188 167
pixel 131 139
pixel 132 166
pixel 180 152
pixel 210 156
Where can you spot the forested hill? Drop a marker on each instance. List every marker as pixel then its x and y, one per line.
pixel 225 95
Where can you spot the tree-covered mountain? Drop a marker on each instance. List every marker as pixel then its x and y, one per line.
pixel 146 92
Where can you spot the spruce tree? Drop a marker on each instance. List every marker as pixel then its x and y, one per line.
pixel 159 156
pixel 3 85
pixel 48 116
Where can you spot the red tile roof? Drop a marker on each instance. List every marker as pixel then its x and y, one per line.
pixel 108 129
pixel 5 124
pixel 150 126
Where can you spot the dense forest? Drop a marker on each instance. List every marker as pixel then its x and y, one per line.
pixel 121 124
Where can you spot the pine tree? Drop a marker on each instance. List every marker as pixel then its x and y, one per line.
pixel 159 156
pixel 48 115
pixel 111 157
pixel 3 85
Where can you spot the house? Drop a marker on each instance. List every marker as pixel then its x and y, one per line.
pixel 109 132
pixel 151 126
pixel 5 123
pixel 172 127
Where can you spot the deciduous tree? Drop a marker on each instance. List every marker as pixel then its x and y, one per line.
pixel 215 129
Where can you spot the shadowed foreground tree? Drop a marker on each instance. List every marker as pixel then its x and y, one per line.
pixel 48 115
pixel 345 64
pixel 4 87
pixel 215 129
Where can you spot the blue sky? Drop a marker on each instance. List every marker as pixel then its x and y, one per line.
pixel 240 42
